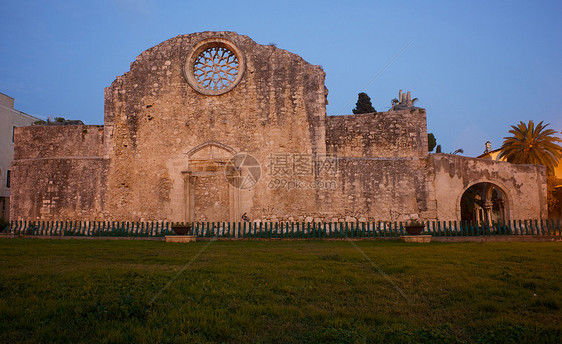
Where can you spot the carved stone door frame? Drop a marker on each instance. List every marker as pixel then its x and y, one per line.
pixel 190 181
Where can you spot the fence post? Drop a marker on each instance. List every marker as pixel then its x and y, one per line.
pixel 537 226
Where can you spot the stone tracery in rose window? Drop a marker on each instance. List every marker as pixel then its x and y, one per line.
pixel 216 68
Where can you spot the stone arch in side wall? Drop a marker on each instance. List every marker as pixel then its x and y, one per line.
pixel 484 200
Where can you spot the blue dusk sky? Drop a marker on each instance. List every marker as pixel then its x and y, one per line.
pixel 476 66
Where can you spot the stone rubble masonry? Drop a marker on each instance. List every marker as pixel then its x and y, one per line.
pixel 383 134
pixel 162 152
pixel 59 173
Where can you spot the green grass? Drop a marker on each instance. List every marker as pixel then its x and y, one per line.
pixel 279 292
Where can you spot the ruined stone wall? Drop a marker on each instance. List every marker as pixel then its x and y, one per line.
pixel 154 118
pixel 524 185
pixel 391 134
pixel 50 141
pixel 58 173
pixel 165 150
pixel 381 189
pixel 368 189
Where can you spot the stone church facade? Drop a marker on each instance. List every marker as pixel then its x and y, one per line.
pixel 212 126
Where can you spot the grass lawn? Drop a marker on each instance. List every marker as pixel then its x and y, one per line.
pixel 279 292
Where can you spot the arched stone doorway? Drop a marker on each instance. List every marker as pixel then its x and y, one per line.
pixel 484 202
pixel 209 196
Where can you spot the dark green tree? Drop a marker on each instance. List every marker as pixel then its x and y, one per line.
pixel 363 104
pixel 431 142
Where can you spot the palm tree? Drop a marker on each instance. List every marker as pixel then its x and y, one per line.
pixel 532 145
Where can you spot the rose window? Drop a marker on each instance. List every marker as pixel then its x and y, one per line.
pixel 216 68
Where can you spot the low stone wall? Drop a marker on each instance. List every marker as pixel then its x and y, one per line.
pixel 523 185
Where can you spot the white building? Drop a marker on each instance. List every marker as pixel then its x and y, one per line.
pixel 9 119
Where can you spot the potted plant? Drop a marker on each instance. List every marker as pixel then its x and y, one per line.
pixel 181 228
pixel 414 227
